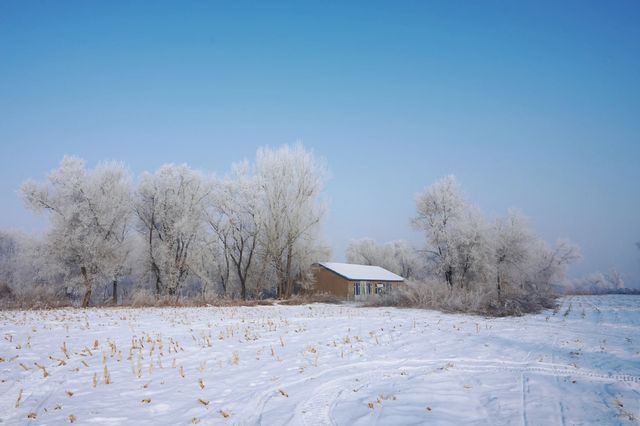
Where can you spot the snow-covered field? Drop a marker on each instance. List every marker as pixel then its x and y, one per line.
pixel 322 364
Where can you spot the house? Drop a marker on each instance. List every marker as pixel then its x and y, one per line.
pixel 354 282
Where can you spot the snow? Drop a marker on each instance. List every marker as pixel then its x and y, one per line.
pixel 361 272
pixel 322 364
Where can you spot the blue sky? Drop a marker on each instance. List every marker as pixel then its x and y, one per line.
pixel 534 105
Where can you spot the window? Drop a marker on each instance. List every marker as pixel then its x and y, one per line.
pixel 356 289
pixel 368 288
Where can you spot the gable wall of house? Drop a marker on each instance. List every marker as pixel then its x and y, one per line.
pixel 329 282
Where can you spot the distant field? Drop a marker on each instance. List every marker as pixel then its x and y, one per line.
pixel 322 364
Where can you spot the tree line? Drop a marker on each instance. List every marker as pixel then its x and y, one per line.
pixel 176 232
pixel 256 232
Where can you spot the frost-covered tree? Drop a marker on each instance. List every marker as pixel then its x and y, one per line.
pixel 14 273
pixel 9 255
pixel 366 252
pixel 202 266
pixel 234 215
pixel 307 249
pixel 513 242
pixel 440 208
pixel 472 250
pixel 290 180
pixel 615 279
pixel 398 256
pixel 28 273
pixel 550 263
pixel 596 283
pixel 406 261
pixel 89 213
pixel 455 232
pixel 170 206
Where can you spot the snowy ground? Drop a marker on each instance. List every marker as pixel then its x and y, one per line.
pixel 322 364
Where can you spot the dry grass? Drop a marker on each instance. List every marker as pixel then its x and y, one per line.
pixel 48 297
pixel 106 376
pixel 19 399
pixel 304 299
pixel 145 298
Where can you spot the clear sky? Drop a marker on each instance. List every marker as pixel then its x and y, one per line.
pixel 534 105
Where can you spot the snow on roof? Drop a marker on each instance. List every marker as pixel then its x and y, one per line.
pixel 361 272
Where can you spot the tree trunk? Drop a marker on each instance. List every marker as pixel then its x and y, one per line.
pixel 448 276
pixel 156 272
pixel 203 293
pixel 288 279
pixel 242 277
pixel 224 278
pixel 115 292
pixel 260 280
pixel 87 285
pixel 281 281
pixel 157 286
pixel 223 283
pixel 243 289
pixel 278 284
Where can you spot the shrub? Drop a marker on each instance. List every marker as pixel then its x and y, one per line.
pixel 480 300
pixel 39 296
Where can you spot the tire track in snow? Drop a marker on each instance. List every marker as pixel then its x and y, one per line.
pixel 523 401
pixel 320 413
pixel 36 389
pixel 257 408
pixel 316 409
pixel 559 405
pixel 557 370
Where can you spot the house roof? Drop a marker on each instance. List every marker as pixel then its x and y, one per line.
pixel 361 272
